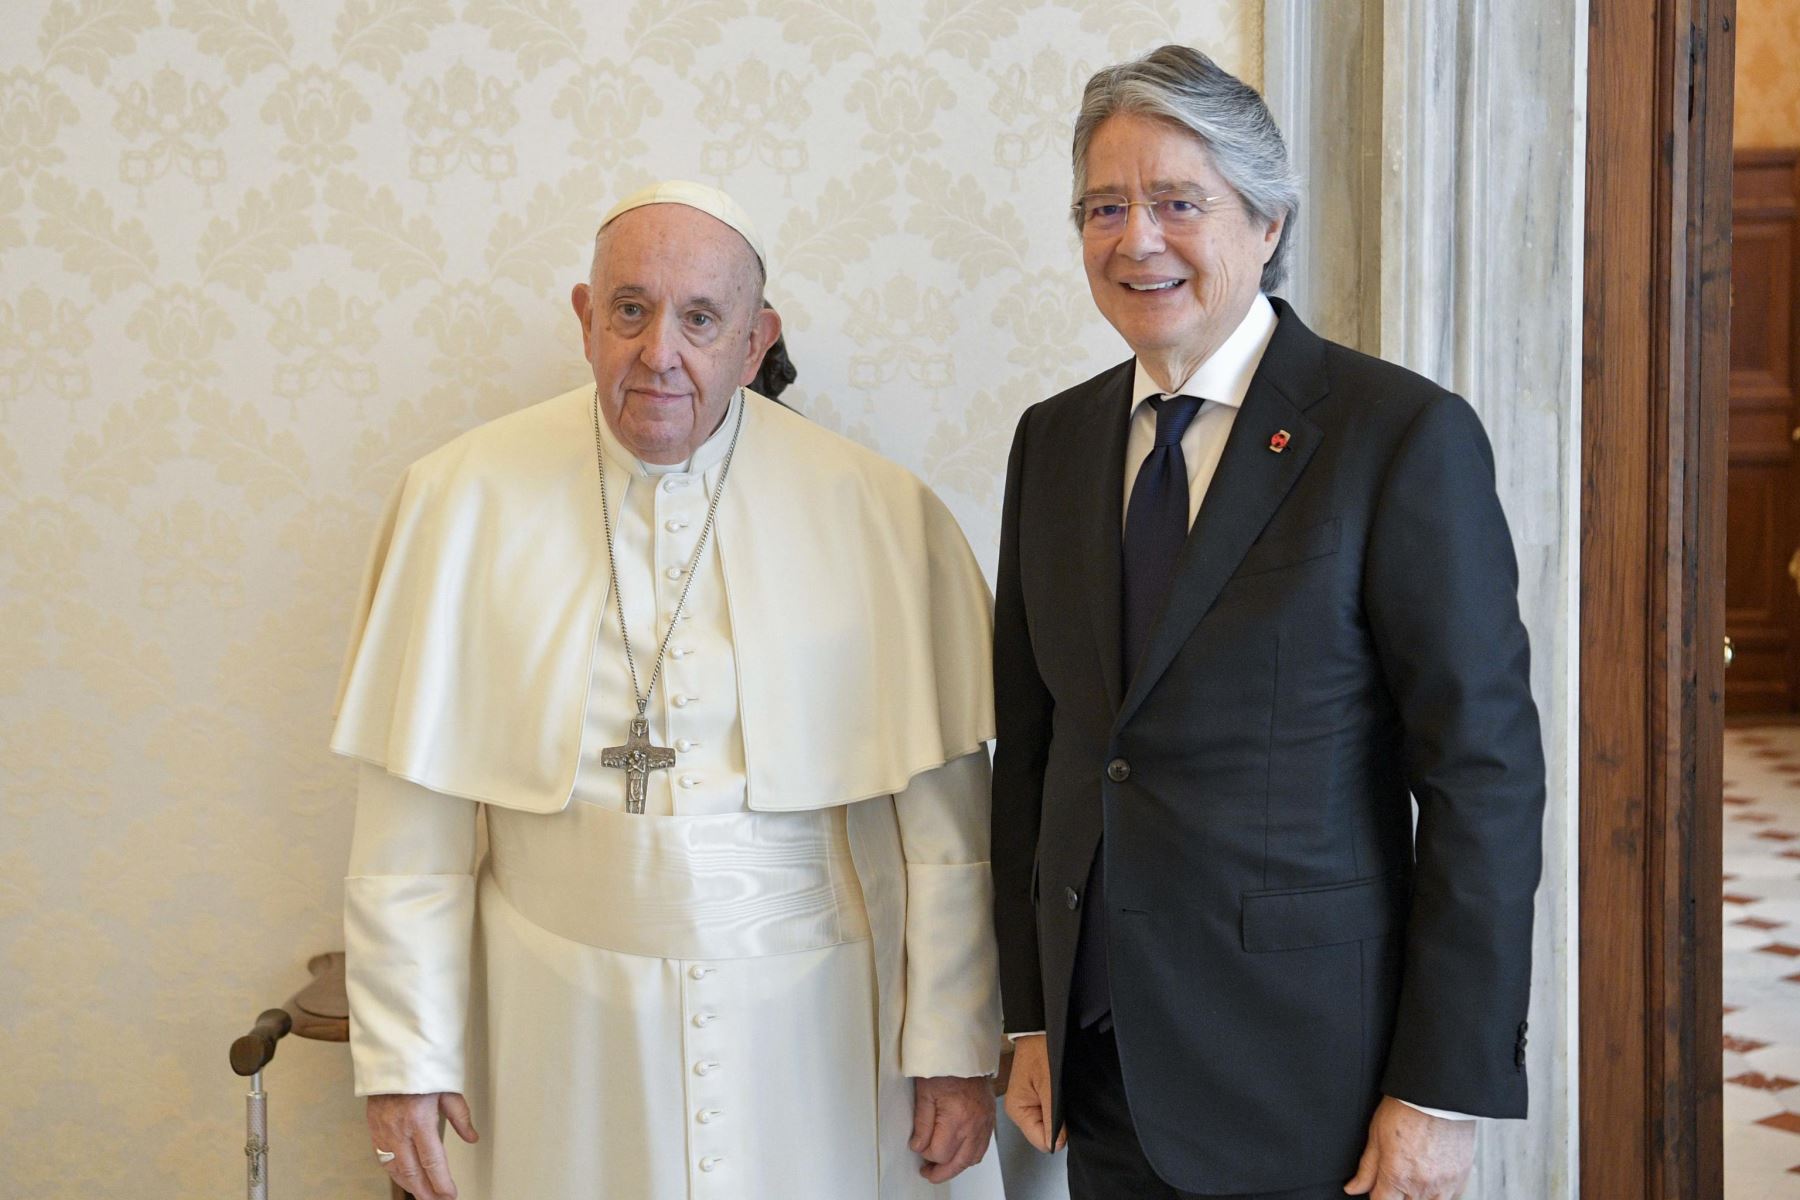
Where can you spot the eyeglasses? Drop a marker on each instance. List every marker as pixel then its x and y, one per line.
pixel 1102 214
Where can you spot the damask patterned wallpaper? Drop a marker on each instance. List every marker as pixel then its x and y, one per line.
pixel 258 255
pixel 1767 111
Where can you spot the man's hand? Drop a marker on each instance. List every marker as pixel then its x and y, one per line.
pixel 1413 1155
pixel 408 1127
pixel 1028 1092
pixel 953 1122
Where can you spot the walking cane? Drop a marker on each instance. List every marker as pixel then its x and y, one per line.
pixel 249 1055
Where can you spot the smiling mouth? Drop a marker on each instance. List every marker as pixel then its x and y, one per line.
pixel 1164 286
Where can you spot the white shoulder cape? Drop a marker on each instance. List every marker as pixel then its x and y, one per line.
pixel 861 622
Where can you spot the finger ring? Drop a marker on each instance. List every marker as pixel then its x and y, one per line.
pixel 384 1157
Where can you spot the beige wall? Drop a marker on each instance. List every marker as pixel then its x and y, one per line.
pixel 257 255
pixel 1767 111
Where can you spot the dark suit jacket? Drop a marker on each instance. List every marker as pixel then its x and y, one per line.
pixel 1343 630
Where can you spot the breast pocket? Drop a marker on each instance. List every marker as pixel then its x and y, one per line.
pixel 1290 549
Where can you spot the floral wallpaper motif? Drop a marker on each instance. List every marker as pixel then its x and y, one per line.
pixel 260 254
pixel 1767 109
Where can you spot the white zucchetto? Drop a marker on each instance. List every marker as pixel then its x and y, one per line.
pixel 709 200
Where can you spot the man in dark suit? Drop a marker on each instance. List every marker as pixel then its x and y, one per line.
pixel 1255 589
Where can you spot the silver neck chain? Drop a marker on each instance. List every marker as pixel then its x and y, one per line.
pixel 612 561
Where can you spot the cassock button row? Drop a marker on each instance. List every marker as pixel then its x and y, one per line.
pixel 1118 770
pixel 679 652
pixel 683 700
pixel 1071 897
pixel 685 744
pixel 707 1116
pixel 675 525
pixel 702 1020
pixel 711 1162
pixel 674 483
pixel 699 972
pixel 706 1067
pixel 690 781
pixel 674 572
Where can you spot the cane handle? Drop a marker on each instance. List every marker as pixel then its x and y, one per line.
pixel 252 1052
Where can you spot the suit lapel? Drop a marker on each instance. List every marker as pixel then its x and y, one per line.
pixel 1249 486
pixel 1101 496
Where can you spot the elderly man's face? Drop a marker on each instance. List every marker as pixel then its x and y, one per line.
pixel 1174 295
pixel 672 324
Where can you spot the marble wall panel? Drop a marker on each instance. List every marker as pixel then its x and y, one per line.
pixel 1474 279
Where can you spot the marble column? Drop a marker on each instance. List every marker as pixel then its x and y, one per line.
pixel 1459 255
pixel 1322 79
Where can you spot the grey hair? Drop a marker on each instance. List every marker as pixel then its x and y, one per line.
pixel 1180 85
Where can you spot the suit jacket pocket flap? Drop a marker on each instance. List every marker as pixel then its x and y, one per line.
pixel 1296 918
pixel 1271 554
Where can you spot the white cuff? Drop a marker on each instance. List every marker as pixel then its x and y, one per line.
pixel 952 976
pixel 1444 1113
pixel 407 944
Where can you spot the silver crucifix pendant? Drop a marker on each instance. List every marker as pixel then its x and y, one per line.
pixel 637 758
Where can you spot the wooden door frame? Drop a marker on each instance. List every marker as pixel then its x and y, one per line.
pixel 1655 358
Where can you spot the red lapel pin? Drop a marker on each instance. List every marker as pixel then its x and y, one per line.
pixel 1279 442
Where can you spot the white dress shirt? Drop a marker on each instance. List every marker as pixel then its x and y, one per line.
pixel 1222 381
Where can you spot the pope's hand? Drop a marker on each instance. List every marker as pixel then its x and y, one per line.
pixel 1413 1155
pixel 953 1122
pixel 407 1127
pixel 1028 1092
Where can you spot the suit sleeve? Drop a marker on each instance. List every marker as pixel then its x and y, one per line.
pixel 952 1022
pixel 409 912
pixel 1440 590
pixel 1022 714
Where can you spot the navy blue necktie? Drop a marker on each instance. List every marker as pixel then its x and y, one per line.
pixel 1156 528
pixel 1156 525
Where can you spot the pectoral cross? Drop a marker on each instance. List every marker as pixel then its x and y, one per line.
pixel 637 758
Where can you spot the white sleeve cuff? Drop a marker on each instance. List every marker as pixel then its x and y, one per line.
pixel 407 946
pixel 1444 1113
pixel 952 980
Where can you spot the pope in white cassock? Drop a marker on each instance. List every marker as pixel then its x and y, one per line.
pixel 718 681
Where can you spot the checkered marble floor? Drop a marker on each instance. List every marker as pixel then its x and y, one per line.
pixel 1762 963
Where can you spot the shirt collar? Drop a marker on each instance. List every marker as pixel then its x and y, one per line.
pixel 710 454
pixel 1225 377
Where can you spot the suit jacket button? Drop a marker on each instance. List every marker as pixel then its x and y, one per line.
pixel 1118 770
pixel 1071 897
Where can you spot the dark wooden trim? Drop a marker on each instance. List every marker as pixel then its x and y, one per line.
pixel 1654 363
pixel 1767 156
pixel 1695 909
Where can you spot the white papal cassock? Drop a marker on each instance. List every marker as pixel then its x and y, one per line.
pixel 727 995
